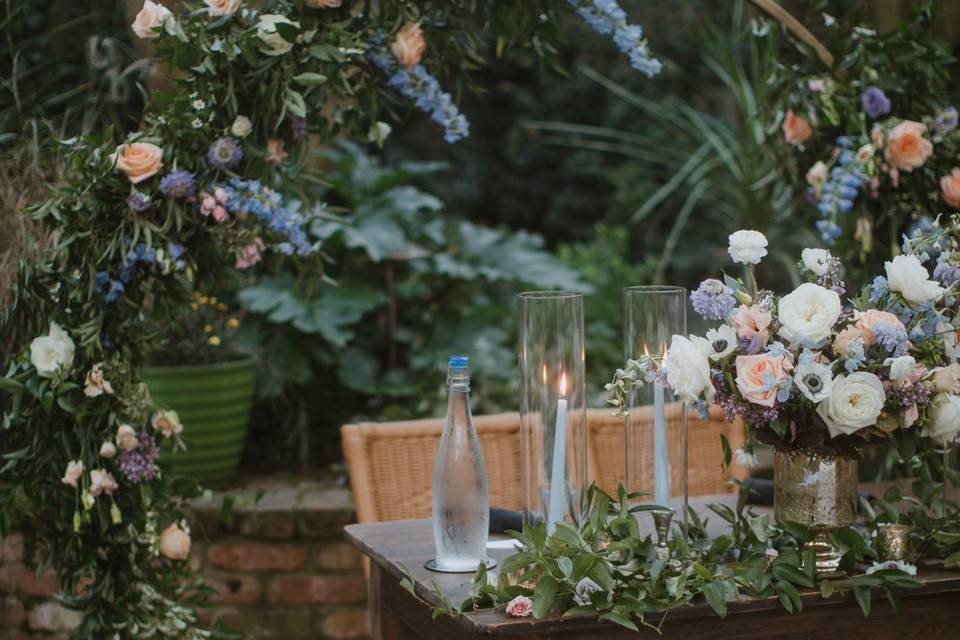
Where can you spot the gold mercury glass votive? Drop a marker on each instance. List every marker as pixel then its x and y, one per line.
pixel 893 541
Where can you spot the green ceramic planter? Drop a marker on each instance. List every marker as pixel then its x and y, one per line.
pixel 213 402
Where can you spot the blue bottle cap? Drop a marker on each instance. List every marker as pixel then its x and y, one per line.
pixel 458 362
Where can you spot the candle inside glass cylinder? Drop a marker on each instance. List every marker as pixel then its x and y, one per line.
pixel 555 510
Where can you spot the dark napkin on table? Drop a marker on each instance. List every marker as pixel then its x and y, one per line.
pixel 502 520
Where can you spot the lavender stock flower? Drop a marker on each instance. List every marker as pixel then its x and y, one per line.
pixel 139 465
pixel 875 102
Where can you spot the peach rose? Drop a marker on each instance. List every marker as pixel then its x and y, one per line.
pixel 520 607
pixel 175 542
pixel 795 129
pixel 867 320
pixel 759 376
pixel 223 7
pixel 409 45
pixel 323 4
pixel 907 149
pixel 139 160
pixel 149 22
pixel 950 186
pixel 843 343
pixel 750 322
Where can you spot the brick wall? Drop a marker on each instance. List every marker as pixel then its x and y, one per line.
pixel 279 564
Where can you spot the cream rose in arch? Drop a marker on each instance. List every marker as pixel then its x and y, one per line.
pixel 175 542
pixel 241 127
pixel 223 7
pixel 274 44
pixel 409 45
pixel 817 175
pixel 52 353
pixel 323 4
pixel 808 313
pixel 759 377
pixel 906 148
pixel 138 160
pixel 150 20
pixel 166 422
pixel 908 277
pixel 855 403
pixel 95 383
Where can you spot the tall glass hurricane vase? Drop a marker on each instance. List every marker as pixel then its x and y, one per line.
pixel 656 423
pixel 553 414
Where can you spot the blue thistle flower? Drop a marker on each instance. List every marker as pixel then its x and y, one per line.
pixel 713 300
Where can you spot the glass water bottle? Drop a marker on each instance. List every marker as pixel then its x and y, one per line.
pixel 461 510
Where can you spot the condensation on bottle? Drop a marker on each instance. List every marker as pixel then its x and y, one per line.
pixel 461 509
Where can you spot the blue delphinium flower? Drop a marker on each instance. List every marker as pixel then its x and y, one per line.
pixel 856 358
pixel 225 153
pixel 267 206
pixel 606 17
pixel 713 300
pixel 840 192
pixel 416 84
pixel 875 102
pixel 878 289
pixel 947 271
pixel 946 120
pixel 893 339
pixel 178 184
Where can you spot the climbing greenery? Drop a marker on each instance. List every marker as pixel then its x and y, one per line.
pixel 208 185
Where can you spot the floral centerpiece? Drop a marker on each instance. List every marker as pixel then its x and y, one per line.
pixel 810 369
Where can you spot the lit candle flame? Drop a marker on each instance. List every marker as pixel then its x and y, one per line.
pixel 563 384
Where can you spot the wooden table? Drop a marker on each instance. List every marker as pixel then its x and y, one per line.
pixel 929 613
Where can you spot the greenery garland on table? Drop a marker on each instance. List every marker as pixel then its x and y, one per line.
pixel 604 567
pixel 142 220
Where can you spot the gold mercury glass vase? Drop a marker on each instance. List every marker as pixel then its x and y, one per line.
pixel 819 491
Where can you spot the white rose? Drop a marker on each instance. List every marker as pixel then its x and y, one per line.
pixel 946 419
pixel 241 127
pixel 910 279
pixel 855 403
pixel 150 20
pixel 947 379
pixel 816 260
pixel 127 438
pixel 948 334
pixel 273 43
pixel 688 368
pixel 815 380
pixel 817 175
pixel 747 247
pixel 865 153
pixel 722 341
pixel 808 313
pixel 52 352
pixel 223 7
pixel 900 367
pixel 378 132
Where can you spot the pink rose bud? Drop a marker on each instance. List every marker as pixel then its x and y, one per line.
pixel 520 607
pixel 221 195
pixel 219 214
